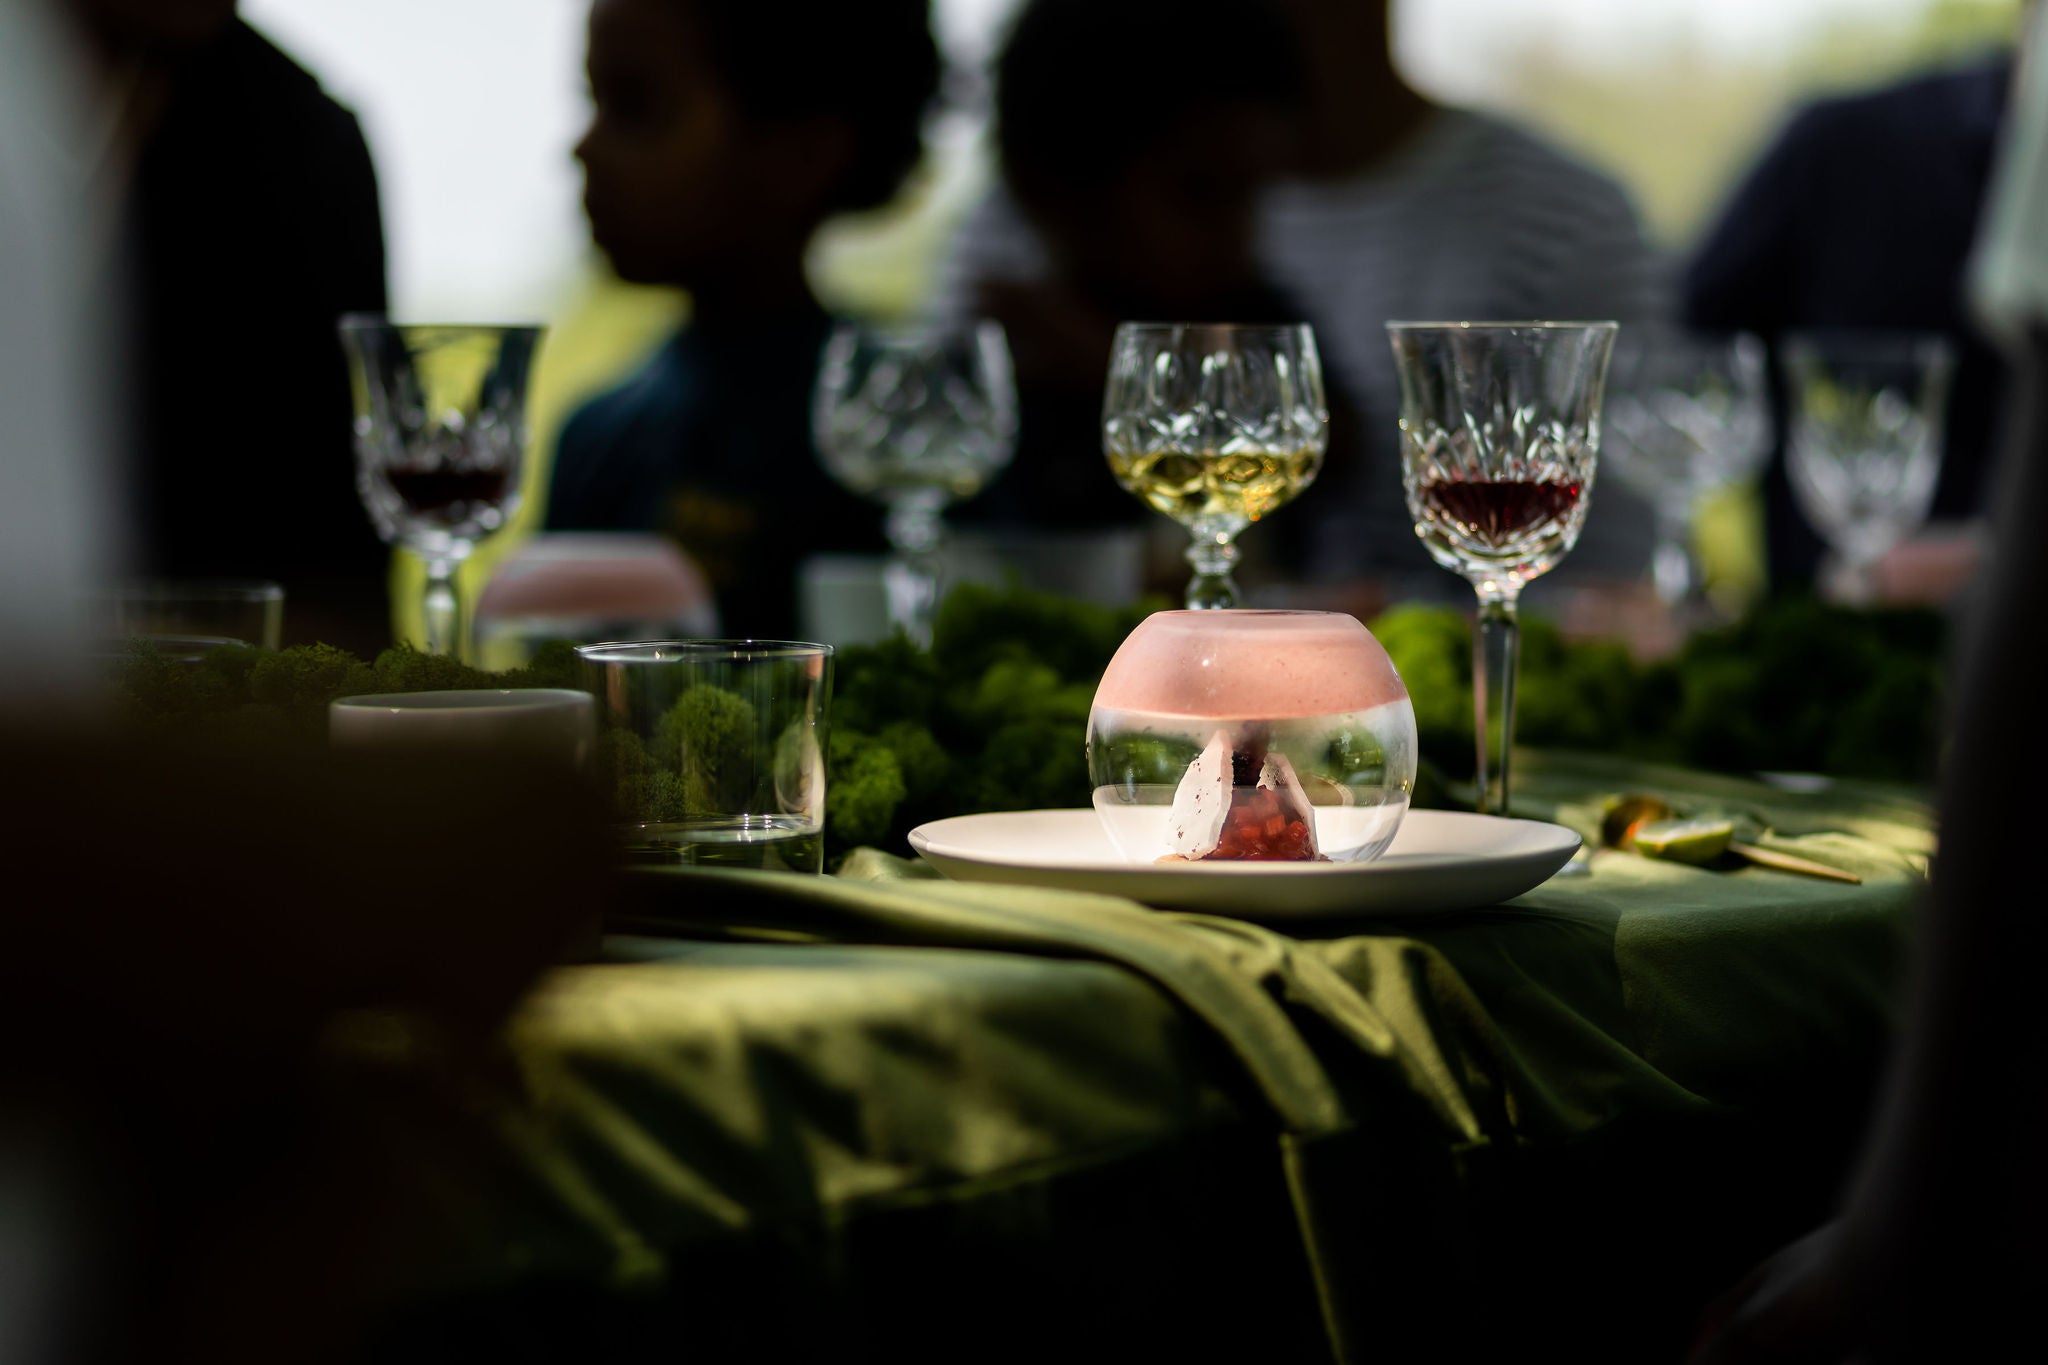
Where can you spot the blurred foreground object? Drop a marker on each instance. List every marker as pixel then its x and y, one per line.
pixel 440 439
pixel 1937 1254
pixel 588 587
pixel 56 531
pixel 249 221
pixel 165 981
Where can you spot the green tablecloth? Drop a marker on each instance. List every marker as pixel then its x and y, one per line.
pixel 880 1111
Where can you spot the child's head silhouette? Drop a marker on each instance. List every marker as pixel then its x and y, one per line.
pixel 724 131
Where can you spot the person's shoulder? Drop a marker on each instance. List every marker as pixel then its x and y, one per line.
pixel 246 67
pixel 1949 99
pixel 243 56
pixel 651 396
pixel 1508 149
pixel 1526 183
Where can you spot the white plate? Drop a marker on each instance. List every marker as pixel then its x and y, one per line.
pixel 1439 860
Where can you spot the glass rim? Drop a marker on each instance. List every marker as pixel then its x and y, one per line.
pixel 181 647
pixel 464 699
pixel 695 651
pixel 1527 325
pixel 1140 328
pixel 372 322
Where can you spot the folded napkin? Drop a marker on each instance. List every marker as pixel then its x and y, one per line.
pixel 1278 1005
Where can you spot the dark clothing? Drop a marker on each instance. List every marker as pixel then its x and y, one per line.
pixel 252 225
pixel 1863 214
pixel 710 443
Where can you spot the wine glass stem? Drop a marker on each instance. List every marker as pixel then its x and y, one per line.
pixel 911 582
pixel 441 609
pixel 1213 554
pixel 1496 644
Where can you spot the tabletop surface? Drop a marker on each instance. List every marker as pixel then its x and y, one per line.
pixel 797 1056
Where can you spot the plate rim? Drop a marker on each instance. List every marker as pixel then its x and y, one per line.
pixel 1181 887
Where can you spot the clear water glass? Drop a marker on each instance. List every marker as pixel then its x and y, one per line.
pixel 237 611
pixel 1500 440
pixel 1687 416
pixel 917 421
pixel 713 751
pixel 1215 425
pixel 440 443
pixel 1864 436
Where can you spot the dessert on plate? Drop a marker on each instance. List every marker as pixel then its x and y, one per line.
pixel 1270 736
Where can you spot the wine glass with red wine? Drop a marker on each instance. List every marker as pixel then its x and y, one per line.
pixel 440 443
pixel 1500 433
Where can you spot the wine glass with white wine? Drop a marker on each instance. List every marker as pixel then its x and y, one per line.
pixel 1216 425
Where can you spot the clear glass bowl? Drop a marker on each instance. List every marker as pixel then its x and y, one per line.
pixel 1251 735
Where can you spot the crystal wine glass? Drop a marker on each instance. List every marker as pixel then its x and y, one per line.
pixel 440 441
pixel 1215 425
pixel 1686 417
pixel 916 421
pixel 1864 437
pixel 1500 434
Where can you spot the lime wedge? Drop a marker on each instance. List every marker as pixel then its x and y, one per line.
pixel 1685 841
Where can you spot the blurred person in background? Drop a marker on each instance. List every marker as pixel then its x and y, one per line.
pixel 723 133
pixel 248 223
pixel 1385 205
pixel 1145 195
pixel 1861 215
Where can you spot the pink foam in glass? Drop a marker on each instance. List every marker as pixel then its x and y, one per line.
pixel 1251 735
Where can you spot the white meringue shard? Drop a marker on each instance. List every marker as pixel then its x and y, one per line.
pixel 1278 776
pixel 1202 801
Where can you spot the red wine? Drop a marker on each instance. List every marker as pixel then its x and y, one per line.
pixel 448 496
pixel 1501 513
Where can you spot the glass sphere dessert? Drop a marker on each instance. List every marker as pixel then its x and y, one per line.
pixel 1278 736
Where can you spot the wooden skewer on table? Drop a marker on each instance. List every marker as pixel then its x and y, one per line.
pixel 1785 862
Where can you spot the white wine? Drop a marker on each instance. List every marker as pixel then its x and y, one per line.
pixel 1238 483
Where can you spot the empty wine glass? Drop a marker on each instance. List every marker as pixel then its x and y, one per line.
pixel 1500 436
pixel 915 421
pixel 1215 425
pixel 1686 417
pixel 440 442
pixel 1864 438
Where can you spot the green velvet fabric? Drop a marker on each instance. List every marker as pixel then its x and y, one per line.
pixel 1378 1137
